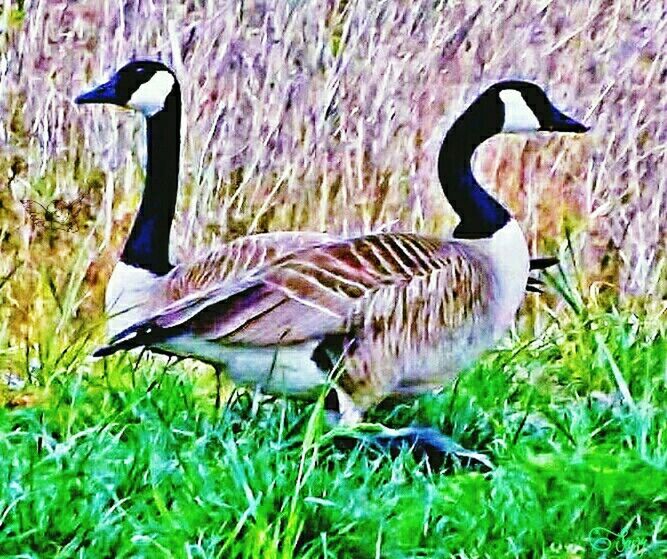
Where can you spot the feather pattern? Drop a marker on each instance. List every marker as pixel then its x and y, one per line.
pixel 389 313
pixel 236 259
pixel 129 301
pixel 400 310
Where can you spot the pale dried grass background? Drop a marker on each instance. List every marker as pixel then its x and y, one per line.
pixel 328 115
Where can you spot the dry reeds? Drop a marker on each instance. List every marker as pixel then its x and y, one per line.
pixel 327 115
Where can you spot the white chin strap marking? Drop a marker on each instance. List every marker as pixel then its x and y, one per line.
pixel 518 115
pixel 149 98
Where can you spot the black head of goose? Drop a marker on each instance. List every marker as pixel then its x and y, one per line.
pixel 510 106
pixel 151 88
pixel 513 107
pixel 393 313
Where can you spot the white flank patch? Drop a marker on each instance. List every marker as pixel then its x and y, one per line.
pixel 149 98
pixel 518 115
pixel 277 370
pixel 128 295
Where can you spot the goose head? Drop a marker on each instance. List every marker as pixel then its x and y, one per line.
pixel 511 106
pixel 142 85
pixel 516 106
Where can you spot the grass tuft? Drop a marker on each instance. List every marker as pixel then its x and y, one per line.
pixel 125 462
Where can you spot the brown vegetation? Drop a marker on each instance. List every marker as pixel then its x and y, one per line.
pixel 327 116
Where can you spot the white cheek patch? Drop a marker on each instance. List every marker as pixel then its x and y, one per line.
pixel 149 98
pixel 518 115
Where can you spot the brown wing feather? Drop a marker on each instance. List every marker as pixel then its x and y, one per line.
pixel 192 286
pixel 412 333
pixel 235 260
pixel 306 294
pixel 314 292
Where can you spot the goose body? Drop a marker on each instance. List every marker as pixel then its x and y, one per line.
pixel 404 312
pixel 389 313
pixel 134 293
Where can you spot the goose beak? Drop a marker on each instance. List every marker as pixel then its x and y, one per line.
pixel 560 122
pixel 105 93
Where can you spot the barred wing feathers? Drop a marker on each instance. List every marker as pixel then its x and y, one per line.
pixel 236 259
pixel 370 283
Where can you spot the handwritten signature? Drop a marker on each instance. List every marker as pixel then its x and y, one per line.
pixel 58 214
pixel 604 540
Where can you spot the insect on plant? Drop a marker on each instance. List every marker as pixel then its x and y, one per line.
pixel 56 215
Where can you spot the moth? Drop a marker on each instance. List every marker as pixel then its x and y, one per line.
pixel 58 214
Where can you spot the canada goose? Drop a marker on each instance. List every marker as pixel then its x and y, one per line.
pixel 144 279
pixel 391 313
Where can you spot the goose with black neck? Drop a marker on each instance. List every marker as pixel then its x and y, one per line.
pixel 394 314
pixel 152 89
pixel 510 106
pixel 141 280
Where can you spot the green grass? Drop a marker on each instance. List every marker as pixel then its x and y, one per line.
pixel 119 459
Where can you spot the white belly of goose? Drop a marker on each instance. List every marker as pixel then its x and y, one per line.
pixel 276 370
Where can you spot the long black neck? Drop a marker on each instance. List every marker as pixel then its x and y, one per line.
pixel 481 215
pixel 148 244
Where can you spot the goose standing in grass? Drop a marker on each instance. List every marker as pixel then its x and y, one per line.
pixel 389 314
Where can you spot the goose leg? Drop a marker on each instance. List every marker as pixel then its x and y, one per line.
pixel 428 443
pixel 218 386
pixel 424 442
